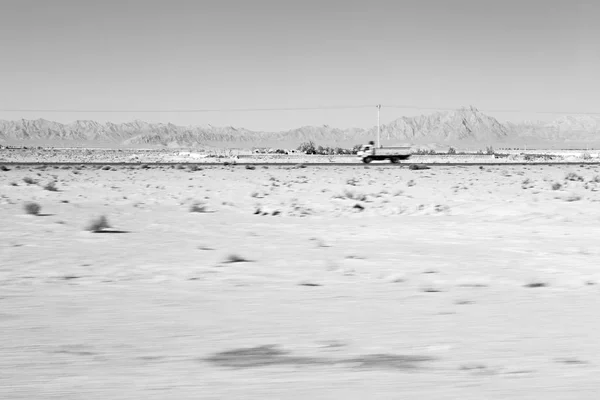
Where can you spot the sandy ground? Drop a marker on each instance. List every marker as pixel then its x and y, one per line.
pixel 301 283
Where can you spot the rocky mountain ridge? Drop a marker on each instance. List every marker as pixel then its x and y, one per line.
pixel 464 125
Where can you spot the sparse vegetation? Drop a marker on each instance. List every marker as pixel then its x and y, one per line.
pixel 235 258
pixel 30 181
pixel 311 148
pixel 352 195
pixel 32 208
pixel 51 187
pixel 425 152
pixel 98 224
pixel 536 285
pixel 572 176
pixel 556 186
pixel 197 207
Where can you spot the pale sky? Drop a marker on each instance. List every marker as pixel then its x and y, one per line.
pixel 528 55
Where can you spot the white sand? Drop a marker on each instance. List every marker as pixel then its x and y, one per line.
pixel 435 269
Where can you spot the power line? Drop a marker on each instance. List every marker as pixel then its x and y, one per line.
pixel 406 107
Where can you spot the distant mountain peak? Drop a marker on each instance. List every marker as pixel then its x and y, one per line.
pixel 465 124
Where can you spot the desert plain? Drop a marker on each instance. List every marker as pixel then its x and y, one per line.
pixel 283 282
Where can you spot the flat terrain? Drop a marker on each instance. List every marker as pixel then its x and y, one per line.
pixel 300 283
pixel 221 156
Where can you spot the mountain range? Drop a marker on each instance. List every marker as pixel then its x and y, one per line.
pixel 463 127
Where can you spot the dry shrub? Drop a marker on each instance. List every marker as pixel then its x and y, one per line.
pixel 197 207
pixel 235 258
pixel 536 284
pixel 98 224
pixel 556 186
pixel 349 194
pixel 572 176
pixel 51 186
pixel 248 166
pixel 573 197
pixel 30 181
pixel 32 208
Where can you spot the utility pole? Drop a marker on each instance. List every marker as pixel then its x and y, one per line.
pixel 378 125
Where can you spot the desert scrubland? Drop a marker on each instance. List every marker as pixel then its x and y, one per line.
pixel 326 282
pixel 198 156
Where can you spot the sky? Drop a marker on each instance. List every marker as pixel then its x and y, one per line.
pixel 530 56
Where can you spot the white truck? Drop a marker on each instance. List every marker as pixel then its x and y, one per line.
pixel 370 152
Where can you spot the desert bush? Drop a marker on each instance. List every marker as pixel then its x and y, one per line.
pixel 30 181
pixel 355 149
pixel 197 207
pixel 425 152
pixel 248 166
pixel 32 208
pixel 349 194
pixel 572 176
pixel 489 150
pixel 4 168
pixel 51 187
pixel 451 150
pixel 98 224
pixel 556 186
pixel 586 156
pixel 235 258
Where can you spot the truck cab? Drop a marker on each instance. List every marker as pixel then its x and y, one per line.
pixel 366 150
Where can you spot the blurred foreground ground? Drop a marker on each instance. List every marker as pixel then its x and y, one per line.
pixel 301 283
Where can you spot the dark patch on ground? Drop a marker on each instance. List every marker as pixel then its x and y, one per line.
pixel 271 355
